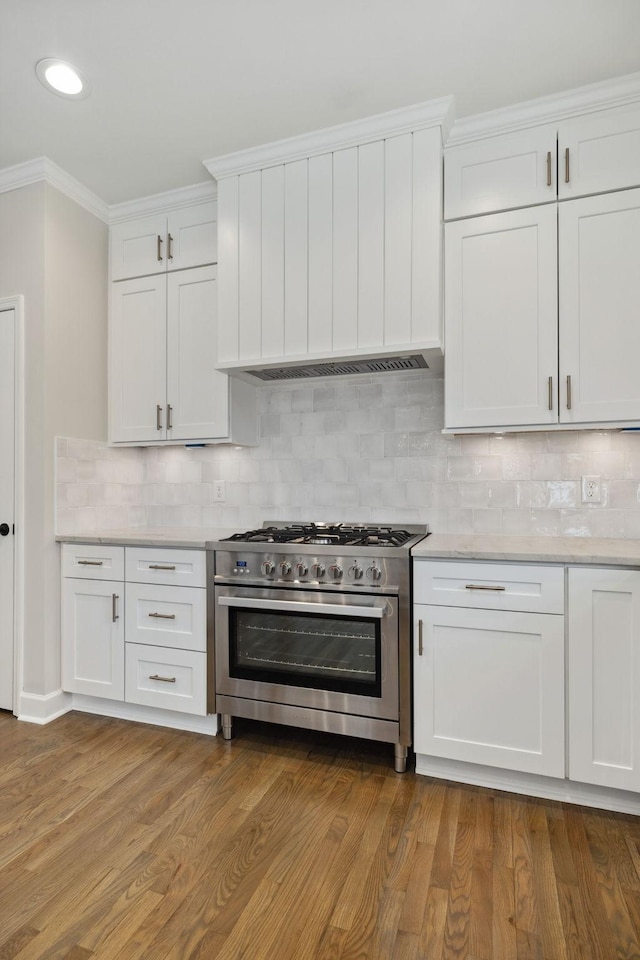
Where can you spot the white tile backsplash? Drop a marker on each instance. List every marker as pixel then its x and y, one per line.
pixel 363 450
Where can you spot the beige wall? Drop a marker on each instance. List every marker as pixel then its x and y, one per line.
pixel 54 254
pixel 75 371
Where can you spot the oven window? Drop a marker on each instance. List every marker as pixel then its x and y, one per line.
pixel 306 650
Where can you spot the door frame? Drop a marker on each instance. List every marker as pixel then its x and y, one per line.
pixel 16 304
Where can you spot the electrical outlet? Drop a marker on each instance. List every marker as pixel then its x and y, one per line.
pixel 219 493
pixel 591 492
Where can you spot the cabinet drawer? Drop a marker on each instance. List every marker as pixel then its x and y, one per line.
pixel 92 562
pixel 171 679
pixel 166 616
pixel 159 565
pixel 492 586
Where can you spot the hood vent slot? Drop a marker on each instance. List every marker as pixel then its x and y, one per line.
pixel 341 369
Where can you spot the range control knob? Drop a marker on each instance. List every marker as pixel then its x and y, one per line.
pixel 284 568
pixel 267 568
pixel 336 571
pixel 374 573
pixel 318 570
pixel 355 572
pixel 301 569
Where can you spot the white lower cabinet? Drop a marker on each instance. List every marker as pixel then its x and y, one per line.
pixel 604 669
pixel 93 638
pixel 142 639
pixel 489 688
pixel 489 683
pixel 167 678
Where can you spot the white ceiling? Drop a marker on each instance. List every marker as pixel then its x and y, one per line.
pixel 176 82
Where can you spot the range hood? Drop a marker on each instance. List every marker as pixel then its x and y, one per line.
pixel 340 368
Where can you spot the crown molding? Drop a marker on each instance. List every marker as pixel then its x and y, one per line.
pixel 420 116
pixel 41 169
pixel 618 92
pixel 163 202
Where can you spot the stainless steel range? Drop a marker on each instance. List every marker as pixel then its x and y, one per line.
pixel 313 629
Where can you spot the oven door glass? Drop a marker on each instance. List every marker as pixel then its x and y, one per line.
pixel 318 650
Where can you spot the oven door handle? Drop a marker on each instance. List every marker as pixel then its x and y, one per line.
pixel 377 610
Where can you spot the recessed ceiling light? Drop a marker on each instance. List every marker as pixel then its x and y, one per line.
pixel 62 78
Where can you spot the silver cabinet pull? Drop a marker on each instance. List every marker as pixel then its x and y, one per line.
pixel 163 616
pixel 169 417
pixel 114 607
pixel 550 393
pixel 159 249
pixel 169 247
pixel 155 676
pixel 569 392
pixel 158 417
pixel 420 639
pixel 549 168
pixel 566 165
pixel 481 586
pixel 90 563
pixel 161 566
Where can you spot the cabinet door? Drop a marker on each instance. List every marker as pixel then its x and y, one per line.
pixel 197 394
pixel 599 240
pixel 604 671
pixel 599 152
pixel 93 638
pixel 137 360
pixel 501 319
pixel 192 236
pixel 489 688
pixel 515 170
pixel 139 247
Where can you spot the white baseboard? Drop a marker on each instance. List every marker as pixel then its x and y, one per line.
pixel 531 785
pixel 36 708
pixel 141 714
pixel 43 708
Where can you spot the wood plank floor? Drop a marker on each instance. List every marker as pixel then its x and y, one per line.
pixel 128 841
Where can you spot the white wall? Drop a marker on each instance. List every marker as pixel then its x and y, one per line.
pixel 361 449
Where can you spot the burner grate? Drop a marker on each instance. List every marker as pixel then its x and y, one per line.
pixel 337 534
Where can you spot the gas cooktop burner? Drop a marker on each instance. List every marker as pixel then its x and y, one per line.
pixel 337 534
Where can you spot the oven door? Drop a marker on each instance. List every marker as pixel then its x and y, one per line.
pixel 327 651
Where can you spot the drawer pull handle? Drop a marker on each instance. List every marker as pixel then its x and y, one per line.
pixel 549 168
pixel 155 676
pixel 163 616
pixel 420 639
pixel 161 566
pixel 90 563
pixel 566 166
pixel 481 586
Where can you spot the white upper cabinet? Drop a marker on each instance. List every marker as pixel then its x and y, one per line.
pixel 500 173
pixel 600 152
pixel 599 299
pixel 501 352
pixel 183 238
pixel 503 368
pixel 589 154
pixel 163 385
pixel 333 253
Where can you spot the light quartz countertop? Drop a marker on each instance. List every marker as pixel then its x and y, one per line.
pixel 530 549
pixel 198 538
